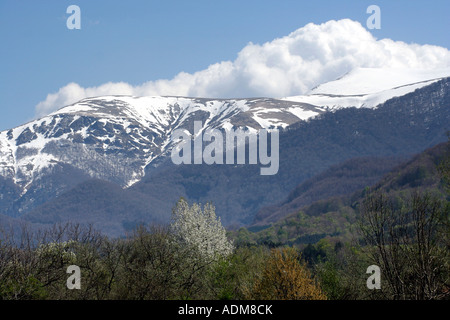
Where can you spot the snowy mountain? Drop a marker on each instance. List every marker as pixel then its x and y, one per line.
pixel 116 137
pixel 120 139
pixel 369 87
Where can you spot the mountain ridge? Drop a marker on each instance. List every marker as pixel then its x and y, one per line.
pixel 81 147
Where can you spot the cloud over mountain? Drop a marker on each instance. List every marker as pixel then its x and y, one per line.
pixel 286 66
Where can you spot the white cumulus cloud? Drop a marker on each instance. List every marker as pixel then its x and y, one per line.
pixel 286 66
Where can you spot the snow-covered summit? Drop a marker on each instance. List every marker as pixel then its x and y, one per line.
pixel 369 87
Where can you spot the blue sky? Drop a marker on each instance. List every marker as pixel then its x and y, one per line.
pixel 138 41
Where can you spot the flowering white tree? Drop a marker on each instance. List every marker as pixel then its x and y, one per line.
pixel 60 251
pixel 200 229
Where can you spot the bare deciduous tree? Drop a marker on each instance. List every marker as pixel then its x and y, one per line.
pixel 406 243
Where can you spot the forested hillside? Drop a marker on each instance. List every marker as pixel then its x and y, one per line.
pixel 336 217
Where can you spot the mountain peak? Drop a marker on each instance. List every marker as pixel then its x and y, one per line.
pixel 364 81
pixel 369 87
